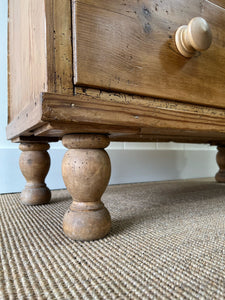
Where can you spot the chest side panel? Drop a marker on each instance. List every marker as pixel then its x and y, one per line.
pixel 27 62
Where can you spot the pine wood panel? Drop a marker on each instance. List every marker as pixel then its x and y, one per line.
pixel 97 107
pixel 219 2
pixel 129 46
pixel 122 116
pixel 56 129
pixel 40 51
pixel 27 120
pixel 59 129
pixel 129 134
pixel 27 54
pixel 59 46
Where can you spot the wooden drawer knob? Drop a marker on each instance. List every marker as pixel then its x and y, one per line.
pixel 196 36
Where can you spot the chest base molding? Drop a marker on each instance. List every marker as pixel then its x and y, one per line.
pixel 122 117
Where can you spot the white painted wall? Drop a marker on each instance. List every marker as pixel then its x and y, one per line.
pixel 131 162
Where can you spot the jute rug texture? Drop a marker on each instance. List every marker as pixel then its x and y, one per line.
pixel 167 242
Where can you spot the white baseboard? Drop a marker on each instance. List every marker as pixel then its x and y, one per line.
pixel 157 165
pixel 127 166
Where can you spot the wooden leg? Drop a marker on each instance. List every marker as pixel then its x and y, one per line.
pixel 86 171
pixel 220 158
pixel 34 165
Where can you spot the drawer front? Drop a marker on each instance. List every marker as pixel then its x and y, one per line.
pixel 129 46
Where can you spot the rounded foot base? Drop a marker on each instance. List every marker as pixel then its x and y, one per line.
pixel 220 177
pixel 220 158
pixel 35 195
pixel 86 221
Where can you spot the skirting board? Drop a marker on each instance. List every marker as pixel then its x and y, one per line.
pixel 127 166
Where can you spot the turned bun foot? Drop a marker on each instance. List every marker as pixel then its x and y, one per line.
pixel 86 171
pixel 35 194
pixel 220 159
pixel 87 222
pixel 34 165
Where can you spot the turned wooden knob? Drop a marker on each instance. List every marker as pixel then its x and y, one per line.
pixel 196 36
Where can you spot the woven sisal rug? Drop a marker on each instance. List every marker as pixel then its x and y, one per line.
pixel 167 242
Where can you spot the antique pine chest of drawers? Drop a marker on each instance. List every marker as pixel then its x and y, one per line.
pixel 90 72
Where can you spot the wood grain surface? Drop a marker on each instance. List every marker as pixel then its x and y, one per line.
pixel 59 46
pixel 129 46
pixel 27 64
pixel 122 116
pixel 218 2
pixel 34 165
pixel 94 106
pixel 86 172
pixel 39 52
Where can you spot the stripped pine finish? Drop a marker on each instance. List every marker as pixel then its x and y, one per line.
pixel 131 49
pixel 91 72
